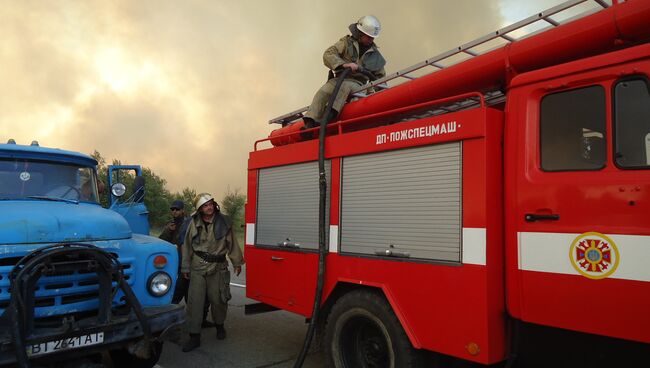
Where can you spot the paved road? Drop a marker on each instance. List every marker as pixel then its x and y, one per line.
pixel 264 340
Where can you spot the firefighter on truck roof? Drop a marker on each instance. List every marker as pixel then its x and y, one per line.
pixel 354 51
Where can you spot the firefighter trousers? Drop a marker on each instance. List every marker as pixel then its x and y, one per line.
pixel 321 98
pixel 216 286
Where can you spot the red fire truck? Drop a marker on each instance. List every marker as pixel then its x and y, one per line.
pixel 501 195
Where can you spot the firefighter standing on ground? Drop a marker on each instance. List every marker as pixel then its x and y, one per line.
pixel 208 240
pixel 352 51
pixel 174 232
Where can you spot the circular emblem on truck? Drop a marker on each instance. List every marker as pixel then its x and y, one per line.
pixel 594 255
pixel 24 176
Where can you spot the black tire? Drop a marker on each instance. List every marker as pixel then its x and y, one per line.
pixel 122 358
pixel 363 332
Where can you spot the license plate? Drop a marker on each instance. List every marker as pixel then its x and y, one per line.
pixel 65 344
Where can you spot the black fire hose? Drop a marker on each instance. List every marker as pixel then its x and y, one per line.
pixel 322 249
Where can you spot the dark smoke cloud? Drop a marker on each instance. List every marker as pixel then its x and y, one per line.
pixel 185 88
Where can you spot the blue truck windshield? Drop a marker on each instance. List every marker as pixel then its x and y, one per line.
pixel 31 179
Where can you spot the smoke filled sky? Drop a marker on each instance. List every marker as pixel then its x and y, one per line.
pixel 186 87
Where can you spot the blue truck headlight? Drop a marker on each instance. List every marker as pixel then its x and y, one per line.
pixel 159 283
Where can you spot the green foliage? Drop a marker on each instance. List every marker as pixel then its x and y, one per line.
pixel 158 198
pixel 102 174
pixel 187 195
pixel 232 205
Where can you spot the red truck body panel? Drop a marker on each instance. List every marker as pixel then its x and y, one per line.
pixel 429 297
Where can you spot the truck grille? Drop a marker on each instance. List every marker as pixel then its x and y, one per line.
pixel 65 292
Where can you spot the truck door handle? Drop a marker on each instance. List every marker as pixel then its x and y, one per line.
pixel 532 217
pixel 288 244
pixel 393 253
pixel 274 258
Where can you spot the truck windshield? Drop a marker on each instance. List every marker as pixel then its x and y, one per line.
pixel 31 179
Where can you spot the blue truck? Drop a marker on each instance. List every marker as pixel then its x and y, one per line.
pixel 77 279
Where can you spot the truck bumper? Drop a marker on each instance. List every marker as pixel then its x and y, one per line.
pixel 122 330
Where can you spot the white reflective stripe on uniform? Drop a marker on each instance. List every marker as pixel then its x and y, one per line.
pixel 250 234
pixel 474 246
pixel 334 238
pixel 549 252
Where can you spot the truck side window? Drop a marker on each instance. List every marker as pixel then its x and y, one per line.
pixel 572 130
pixel 632 123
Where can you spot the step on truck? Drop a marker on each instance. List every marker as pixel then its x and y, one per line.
pixel 78 280
pixel 496 207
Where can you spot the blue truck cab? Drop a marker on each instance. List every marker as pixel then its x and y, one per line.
pixel 75 278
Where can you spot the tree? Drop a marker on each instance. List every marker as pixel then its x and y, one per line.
pixel 232 205
pixel 187 195
pixel 102 174
pixel 157 198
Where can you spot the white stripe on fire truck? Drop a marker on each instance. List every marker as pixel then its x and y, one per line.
pixel 250 234
pixel 334 238
pixel 473 242
pixel 549 252
pixel 474 246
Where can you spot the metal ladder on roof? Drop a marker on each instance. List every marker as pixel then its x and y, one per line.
pixel 469 50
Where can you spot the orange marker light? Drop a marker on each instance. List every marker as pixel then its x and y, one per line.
pixel 473 348
pixel 160 261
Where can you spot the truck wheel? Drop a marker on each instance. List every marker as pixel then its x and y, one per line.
pixel 362 331
pixel 122 357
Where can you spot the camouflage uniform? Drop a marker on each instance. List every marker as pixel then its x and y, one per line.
pixel 346 50
pixel 209 240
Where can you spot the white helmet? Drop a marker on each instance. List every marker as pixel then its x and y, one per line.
pixel 202 199
pixel 369 25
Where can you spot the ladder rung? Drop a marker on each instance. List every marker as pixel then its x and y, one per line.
pixel 602 3
pixel 551 21
pixel 507 38
pixel 470 52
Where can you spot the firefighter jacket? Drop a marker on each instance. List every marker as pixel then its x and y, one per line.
pixel 346 50
pixel 177 236
pixel 215 239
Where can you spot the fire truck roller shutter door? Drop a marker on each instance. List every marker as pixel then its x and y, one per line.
pixel 287 205
pixel 405 201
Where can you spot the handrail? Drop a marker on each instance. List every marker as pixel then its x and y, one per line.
pixel 423 105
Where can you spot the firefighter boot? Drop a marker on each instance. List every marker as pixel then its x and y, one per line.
pixel 221 332
pixel 193 343
pixel 309 123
